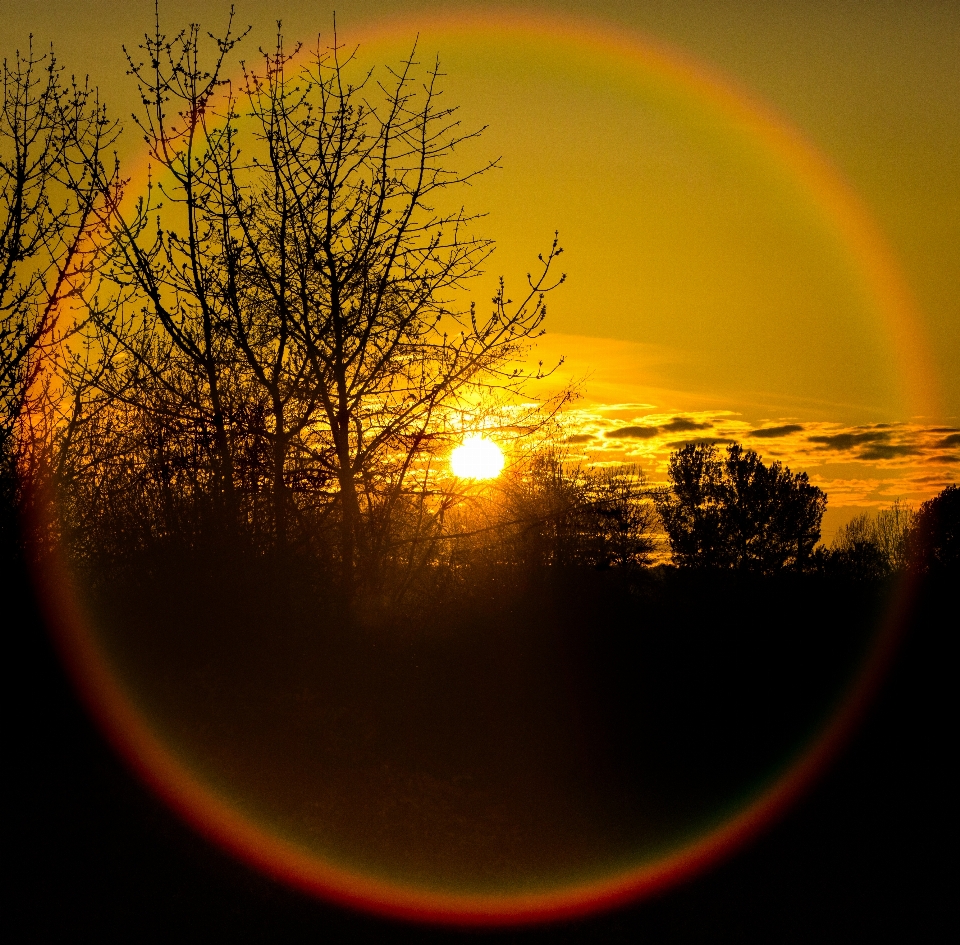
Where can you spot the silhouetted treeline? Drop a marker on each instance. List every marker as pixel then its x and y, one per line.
pixel 733 511
pixel 896 539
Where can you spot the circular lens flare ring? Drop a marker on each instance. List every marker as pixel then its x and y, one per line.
pixel 199 804
pixel 477 458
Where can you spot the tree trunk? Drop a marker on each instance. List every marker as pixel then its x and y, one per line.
pixel 279 483
pixel 349 523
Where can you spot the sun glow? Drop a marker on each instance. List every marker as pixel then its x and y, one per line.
pixel 477 458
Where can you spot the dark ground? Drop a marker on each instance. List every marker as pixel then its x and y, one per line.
pixel 860 858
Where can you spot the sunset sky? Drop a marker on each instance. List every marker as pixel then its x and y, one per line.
pixel 759 205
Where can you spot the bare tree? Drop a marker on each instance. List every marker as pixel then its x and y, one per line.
pixel 292 277
pixel 346 257
pixel 154 318
pixel 52 135
pixel 855 552
pixel 891 528
pixel 568 514
pixel 875 544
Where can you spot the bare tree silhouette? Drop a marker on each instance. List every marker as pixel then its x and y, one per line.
pixel 873 546
pixel 287 299
pixel 52 133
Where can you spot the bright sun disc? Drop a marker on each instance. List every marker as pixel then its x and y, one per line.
pixel 477 458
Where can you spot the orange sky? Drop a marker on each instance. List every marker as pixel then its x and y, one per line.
pixel 761 226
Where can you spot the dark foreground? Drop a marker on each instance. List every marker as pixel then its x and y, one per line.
pixel 525 734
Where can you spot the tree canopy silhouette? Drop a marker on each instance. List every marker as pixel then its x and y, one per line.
pixel 734 511
pixel 934 536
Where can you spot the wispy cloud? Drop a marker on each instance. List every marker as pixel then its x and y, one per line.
pixel 888 451
pixel 647 431
pixel 684 425
pixel 847 441
pixel 632 433
pixel 767 433
pixel 698 441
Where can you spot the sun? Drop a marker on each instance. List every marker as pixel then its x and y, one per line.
pixel 477 458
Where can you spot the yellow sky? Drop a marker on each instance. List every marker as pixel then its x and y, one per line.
pixel 707 278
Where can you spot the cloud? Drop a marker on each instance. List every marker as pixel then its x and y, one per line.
pixel 769 432
pixel 675 425
pixel 633 433
pixel 631 406
pixel 847 441
pixel 886 451
pixel 684 425
pixel 700 441
pixel 580 438
pixel 948 441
